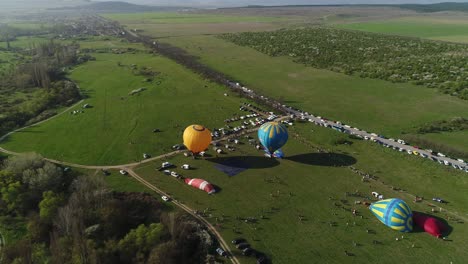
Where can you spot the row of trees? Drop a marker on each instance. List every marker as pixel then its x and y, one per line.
pixel 454 124
pixel 73 218
pixel 434 64
pixel 42 72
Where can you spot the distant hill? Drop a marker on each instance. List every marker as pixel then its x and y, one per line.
pixel 119 7
pixel 448 6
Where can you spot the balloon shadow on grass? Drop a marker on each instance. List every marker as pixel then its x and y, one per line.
pixel 323 159
pixel 245 162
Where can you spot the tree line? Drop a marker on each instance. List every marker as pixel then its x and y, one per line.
pixel 73 218
pixel 454 124
pixel 41 71
pixel 434 64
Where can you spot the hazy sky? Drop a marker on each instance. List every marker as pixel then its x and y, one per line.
pixel 281 2
pixel 212 3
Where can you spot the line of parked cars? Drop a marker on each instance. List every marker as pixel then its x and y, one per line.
pixel 346 128
pixel 463 166
pixel 247 250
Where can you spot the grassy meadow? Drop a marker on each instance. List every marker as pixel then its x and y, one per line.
pixel 184 18
pixel 160 24
pixel 383 107
pixel 313 185
pixel 118 128
pixel 302 210
pixel 447 28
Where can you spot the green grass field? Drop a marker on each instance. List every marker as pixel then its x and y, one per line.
pixel 179 24
pixel 302 183
pixel 456 139
pixel 122 183
pixel 118 129
pixel 374 105
pixel 445 29
pixel 27 41
pixel 181 18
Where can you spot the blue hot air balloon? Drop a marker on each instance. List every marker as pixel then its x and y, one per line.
pixel 272 136
pixel 394 213
pixel 277 154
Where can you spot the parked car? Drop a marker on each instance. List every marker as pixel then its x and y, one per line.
pixel 247 251
pixel 221 252
pixel 166 165
pixel 165 198
pixel 123 172
pixel 237 241
pixel 437 199
pixel 261 259
pixel 242 245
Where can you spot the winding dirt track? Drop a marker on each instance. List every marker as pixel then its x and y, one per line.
pixel 189 211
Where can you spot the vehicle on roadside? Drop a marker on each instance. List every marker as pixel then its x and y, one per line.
pixel 221 252
pixel 247 251
pixel 261 259
pixel 242 245
pixel 165 198
pixel 437 199
pixel 237 241
pixel 166 165
pixel 123 172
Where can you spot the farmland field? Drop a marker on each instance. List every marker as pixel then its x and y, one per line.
pixel 181 18
pixel 179 24
pixel 436 28
pixel 375 105
pixel 308 184
pixel 118 128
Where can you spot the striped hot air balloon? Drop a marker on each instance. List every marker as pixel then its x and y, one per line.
pixel 197 138
pixel 394 213
pixel 201 184
pixel 272 136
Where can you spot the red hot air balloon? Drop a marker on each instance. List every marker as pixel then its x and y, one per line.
pixel 201 184
pixel 429 224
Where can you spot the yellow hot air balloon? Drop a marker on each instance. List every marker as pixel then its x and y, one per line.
pixel 197 138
